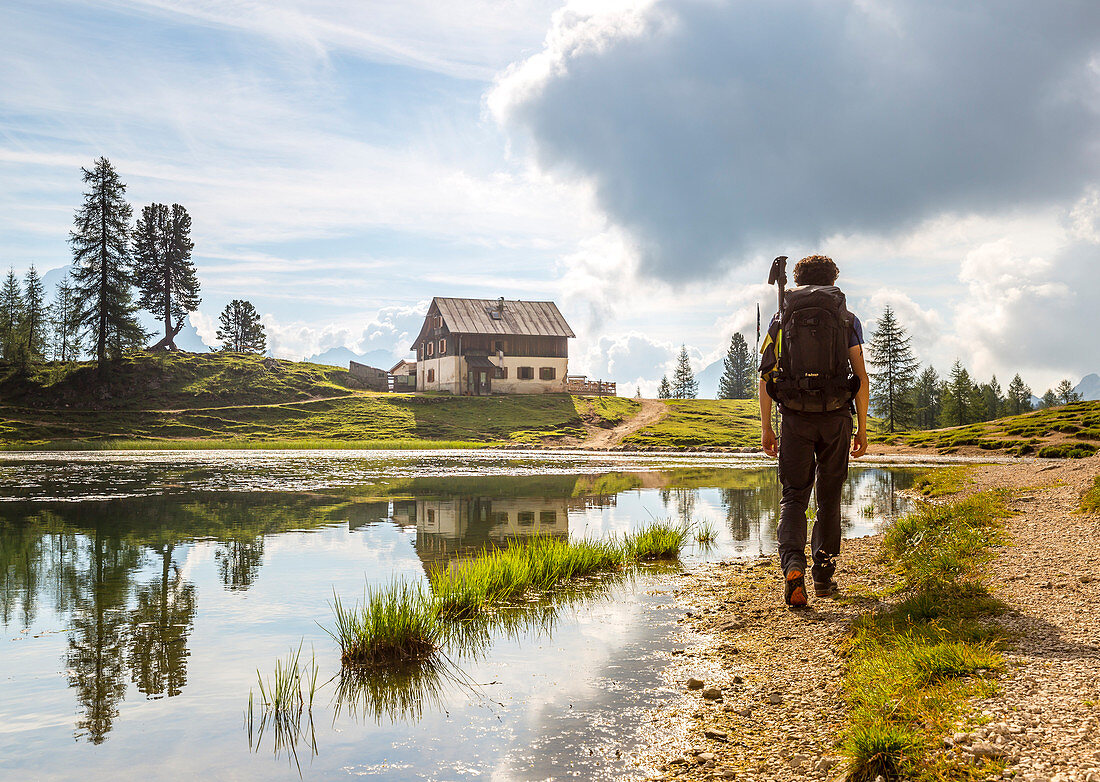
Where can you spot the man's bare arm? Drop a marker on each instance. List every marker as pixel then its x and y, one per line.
pixel 863 399
pixel 767 434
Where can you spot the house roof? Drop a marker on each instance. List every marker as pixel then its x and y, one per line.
pixel 529 318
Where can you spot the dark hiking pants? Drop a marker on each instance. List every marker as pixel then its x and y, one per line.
pixel 813 451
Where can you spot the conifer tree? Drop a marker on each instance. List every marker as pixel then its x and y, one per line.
pixel 65 342
pixel 1065 393
pixel 892 355
pixel 240 329
pixel 926 399
pixel 959 399
pixel 993 401
pixel 163 269
pixel 739 371
pixel 35 316
pixel 637 392
pixel 11 315
pixel 1050 399
pixel 101 255
pixel 664 390
pixel 684 384
pixel 1019 396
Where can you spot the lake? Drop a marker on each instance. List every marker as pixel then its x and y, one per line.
pixel 142 592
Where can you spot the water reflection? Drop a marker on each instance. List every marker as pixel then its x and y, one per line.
pixel 110 571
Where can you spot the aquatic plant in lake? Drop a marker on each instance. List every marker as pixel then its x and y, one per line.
pixel 284 700
pixel 660 540
pixel 396 623
pixel 706 533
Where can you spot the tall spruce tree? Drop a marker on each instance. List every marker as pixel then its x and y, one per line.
pixel 926 399
pixel 684 384
pixel 35 316
pixel 892 355
pixel 240 329
pixel 993 401
pixel 1019 396
pixel 961 398
pixel 739 371
pixel 101 255
pixel 1049 399
pixel 664 389
pixel 11 316
pixel 65 342
pixel 163 269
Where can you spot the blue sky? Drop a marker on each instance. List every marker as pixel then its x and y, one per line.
pixel 638 161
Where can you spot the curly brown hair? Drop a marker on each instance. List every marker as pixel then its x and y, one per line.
pixel 815 270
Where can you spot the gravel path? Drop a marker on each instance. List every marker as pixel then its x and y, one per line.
pixel 770 708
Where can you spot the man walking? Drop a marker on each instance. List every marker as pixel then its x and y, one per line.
pixel 812 366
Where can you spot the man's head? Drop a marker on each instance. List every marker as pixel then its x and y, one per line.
pixel 815 270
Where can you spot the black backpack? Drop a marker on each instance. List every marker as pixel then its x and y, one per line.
pixel 812 370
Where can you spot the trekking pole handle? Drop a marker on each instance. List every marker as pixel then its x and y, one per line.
pixel 778 276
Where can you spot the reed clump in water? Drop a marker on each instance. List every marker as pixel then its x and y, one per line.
pixel 403 623
pixel 397 623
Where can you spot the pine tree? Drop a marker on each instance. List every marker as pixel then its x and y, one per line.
pixel 101 255
pixel 664 390
pixel 163 269
pixel 637 392
pixel 958 402
pixel 65 339
pixel 993 401
pixel 1050 399
pixel 926 399
pixel 240 329
pixel 684 384
pixel 11 316
pixel 1065 393
pixel 739 371
pixel 1019 396
pixel 35 316
pixel 892 355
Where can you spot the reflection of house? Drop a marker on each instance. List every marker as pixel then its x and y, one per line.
pixel 482 346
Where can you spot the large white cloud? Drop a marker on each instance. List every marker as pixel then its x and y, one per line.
pixel 709 129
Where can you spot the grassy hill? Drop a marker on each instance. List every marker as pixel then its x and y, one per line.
pixel 1068 431
pixel 233 400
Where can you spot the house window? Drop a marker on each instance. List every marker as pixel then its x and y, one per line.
pixel 498 346
pixel 525 373
pixel 442 346
pixel 547 373
pixel 431 375
pixel 549 517
pixel 525 518
pixel 502 373
pixel 431 348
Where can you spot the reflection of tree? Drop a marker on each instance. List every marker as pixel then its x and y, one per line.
pixel 239 562
pixel 96 643
pixel 159 625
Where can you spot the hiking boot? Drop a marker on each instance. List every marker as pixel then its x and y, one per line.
pixel 795 592
pixel 826 589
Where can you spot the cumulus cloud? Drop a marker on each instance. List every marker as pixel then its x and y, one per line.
pixel 392 330
pixel 708 130
pixel 630 359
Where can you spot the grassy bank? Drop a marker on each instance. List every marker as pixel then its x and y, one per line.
pixel 912 666
pixel 702 423
pixel 1069 431
pixel 403 623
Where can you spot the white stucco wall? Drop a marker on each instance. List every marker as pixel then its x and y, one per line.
pixel 449 375
pixel 513 385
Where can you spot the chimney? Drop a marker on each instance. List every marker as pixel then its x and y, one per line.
pixel 500 304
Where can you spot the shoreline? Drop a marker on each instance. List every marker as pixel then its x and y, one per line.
pixel 780 707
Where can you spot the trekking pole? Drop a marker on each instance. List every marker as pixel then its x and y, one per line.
pixel 778 276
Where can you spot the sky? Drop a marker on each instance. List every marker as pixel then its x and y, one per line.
pixel 637 161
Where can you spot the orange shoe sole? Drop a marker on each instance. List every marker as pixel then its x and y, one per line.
pixel 795 592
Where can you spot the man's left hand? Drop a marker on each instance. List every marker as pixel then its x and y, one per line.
pixel 859 445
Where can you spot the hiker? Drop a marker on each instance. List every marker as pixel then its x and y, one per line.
pixel 812 366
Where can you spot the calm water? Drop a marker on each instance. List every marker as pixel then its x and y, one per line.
pixel 140 593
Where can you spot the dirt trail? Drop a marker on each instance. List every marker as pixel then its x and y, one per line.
pixel 779 671
pixel 599 439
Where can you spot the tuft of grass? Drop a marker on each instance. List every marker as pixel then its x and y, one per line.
pixel 659 540
pixel 942 481
pixel 913 665
pixel 706 533
pixel 396 624
pixel 285 698
pixel 1090 500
